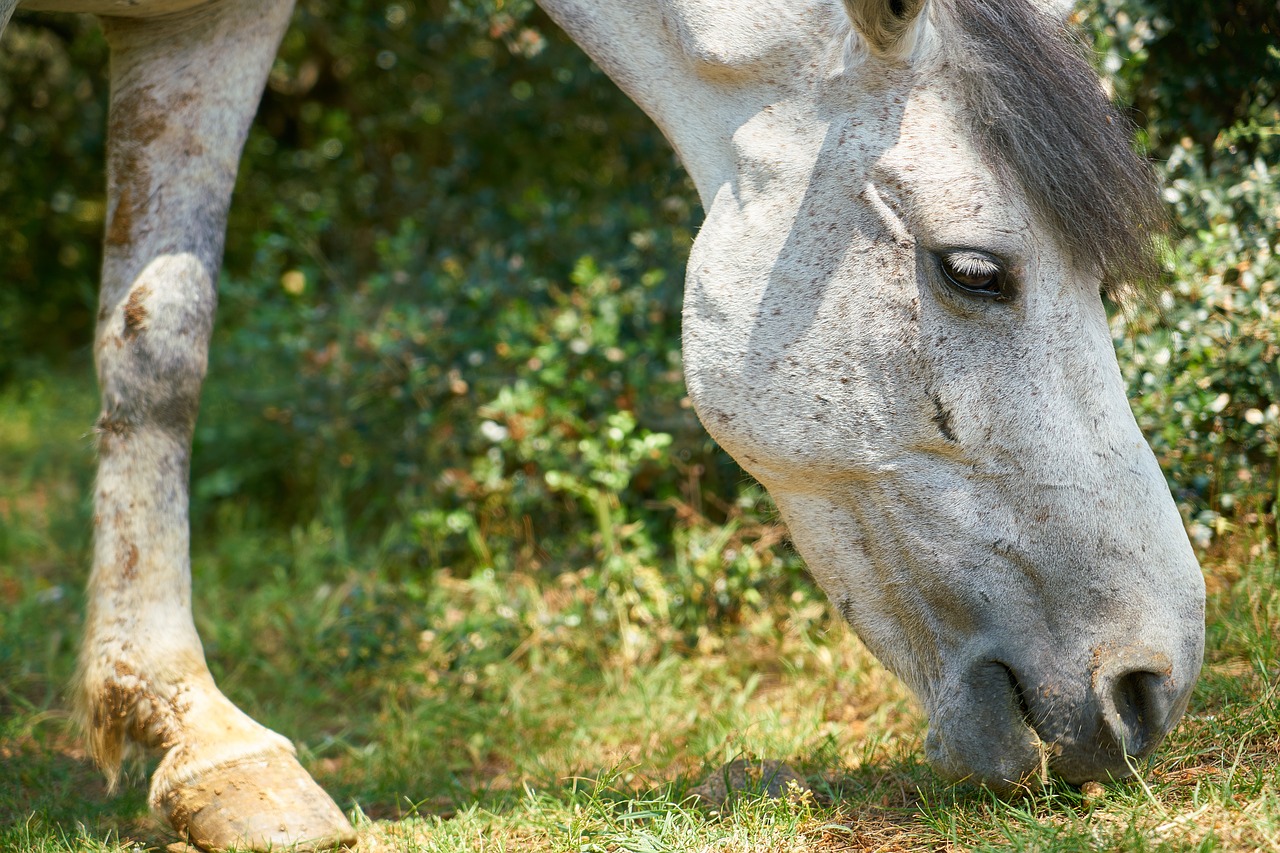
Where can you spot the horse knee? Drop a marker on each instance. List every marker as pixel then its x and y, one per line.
pixel 152 348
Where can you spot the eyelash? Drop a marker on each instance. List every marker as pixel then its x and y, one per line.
pixel 975 273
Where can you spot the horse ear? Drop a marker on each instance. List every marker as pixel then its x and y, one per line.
pixel 886 25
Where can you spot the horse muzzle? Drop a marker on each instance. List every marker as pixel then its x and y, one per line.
pixel 1001 722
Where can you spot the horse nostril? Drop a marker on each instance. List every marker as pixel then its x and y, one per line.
pixel 1139 710
pixel 1018 691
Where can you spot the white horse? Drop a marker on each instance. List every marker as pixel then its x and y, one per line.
pixel 892 319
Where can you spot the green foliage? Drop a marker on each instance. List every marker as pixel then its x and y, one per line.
pixel 452 293
pixel 1196 68
pixel 52 114
pixel 1202 358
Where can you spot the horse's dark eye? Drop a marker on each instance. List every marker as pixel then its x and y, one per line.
pixel 974 272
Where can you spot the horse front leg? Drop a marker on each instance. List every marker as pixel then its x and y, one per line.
pixel 184 89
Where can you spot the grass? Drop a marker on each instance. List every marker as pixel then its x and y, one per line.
pixel 516 712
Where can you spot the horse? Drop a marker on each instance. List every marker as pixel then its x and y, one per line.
pixel 893 319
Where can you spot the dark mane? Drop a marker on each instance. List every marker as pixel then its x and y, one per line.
pixel 1036 103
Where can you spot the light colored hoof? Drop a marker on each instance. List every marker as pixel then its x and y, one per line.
pixel 263 803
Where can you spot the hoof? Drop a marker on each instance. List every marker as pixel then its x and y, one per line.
pixel 264 803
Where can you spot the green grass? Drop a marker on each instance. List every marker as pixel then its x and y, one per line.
pixel 520 712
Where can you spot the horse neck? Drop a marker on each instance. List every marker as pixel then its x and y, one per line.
pixel 704 69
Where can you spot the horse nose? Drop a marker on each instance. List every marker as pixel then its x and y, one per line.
pixel 1133 697
pixel 1090 711
pixel 1139 700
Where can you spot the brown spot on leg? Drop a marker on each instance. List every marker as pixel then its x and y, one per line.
pixel 137 119
pixel 110 429
pixel 129 560
pixel 137 115
pixel 120 230
pixel 135 313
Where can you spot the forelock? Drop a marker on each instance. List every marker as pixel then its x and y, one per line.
pixel 1044 124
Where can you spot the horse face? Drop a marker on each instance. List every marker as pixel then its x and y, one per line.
pixel 894 344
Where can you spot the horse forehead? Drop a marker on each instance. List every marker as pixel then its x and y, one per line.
pixel 913 142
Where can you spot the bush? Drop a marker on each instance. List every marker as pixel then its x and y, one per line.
pixel 52 115
pixel 1201 356
pixel 1202 362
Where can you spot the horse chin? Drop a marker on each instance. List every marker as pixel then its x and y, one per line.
pixel 978 732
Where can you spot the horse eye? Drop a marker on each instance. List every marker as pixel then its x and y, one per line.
pixel 974 272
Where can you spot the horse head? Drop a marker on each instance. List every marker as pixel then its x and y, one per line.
pixel 894 320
